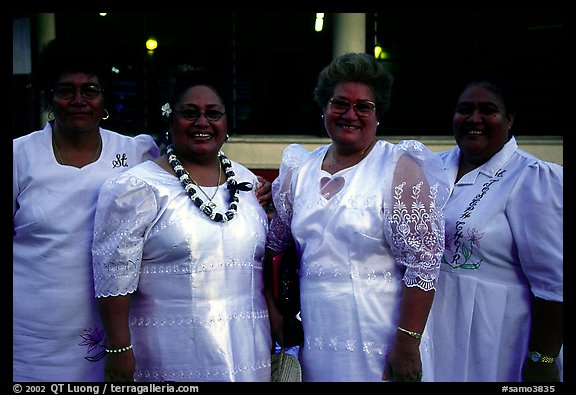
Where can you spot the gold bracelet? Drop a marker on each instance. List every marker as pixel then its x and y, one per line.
pixel 117 350
pixel 415 335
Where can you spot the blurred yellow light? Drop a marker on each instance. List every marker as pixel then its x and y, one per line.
pixel 379 53
pixel 151 44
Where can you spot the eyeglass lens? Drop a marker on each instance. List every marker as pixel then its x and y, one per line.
pixel 88 91
pixel 192 115
pixel 362 108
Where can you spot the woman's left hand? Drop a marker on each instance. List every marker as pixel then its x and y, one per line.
pixel 264 193
pixel 403 362
pixel 540 372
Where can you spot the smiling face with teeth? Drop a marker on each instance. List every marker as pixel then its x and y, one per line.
pixel 348 130
pixel 481 123
pixel 198 137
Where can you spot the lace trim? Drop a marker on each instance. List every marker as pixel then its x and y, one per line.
pixel 419 236
pixel 335 343
pixel 352 345
pixel 177 268
pixel 198 374
pixel 318 270
pixel 168 321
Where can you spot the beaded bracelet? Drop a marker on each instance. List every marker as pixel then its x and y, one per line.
pixel 415 335
pixel 117 350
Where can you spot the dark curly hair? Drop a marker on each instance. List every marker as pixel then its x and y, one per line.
pixel 59 57
pixel 497 86
pixel 187 76
pixel 357 67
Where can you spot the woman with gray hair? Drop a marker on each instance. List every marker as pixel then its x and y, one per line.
pixel 365 218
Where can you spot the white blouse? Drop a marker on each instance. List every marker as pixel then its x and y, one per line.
pixel 57 333
pixel 359 233
pixel 198 311
pixel 504 241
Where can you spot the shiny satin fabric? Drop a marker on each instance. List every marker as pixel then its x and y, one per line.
pixel 198 312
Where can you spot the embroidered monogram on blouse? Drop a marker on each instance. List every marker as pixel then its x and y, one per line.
pixel 465 249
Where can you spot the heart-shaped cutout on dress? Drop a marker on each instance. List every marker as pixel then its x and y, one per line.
pixel 330 187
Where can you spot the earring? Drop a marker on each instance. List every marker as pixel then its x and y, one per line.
pixel 227 137
pixel 105 117
pixel 167 135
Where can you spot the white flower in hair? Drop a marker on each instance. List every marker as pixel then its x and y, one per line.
pixel 166 110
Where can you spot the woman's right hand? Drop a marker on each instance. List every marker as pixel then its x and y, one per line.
pixel 276 325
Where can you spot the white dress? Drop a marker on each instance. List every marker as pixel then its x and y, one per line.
pixel 504 239
pixel 57 334
pixel 357 245
pixel 197 311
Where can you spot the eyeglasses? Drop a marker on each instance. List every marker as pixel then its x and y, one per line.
pixel 193 115
pixel 363 108
pixel 67 92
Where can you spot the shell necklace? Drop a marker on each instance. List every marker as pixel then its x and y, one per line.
pixel 232 185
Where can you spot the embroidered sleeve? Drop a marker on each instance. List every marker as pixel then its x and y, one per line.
pixel 280 236
pixel 414 212
pixel 126 206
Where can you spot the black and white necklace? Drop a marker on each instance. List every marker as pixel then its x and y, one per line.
pixel 233 187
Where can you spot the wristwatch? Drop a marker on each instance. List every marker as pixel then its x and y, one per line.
pixel 535 356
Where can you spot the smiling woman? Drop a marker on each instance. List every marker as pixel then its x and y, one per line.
pixel 194 230
pixel 501 277
pixel 55 168
pixel 368 257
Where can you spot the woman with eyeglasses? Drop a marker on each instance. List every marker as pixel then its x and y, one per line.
pixel 365 218
pixel 178 252
pixel 57 172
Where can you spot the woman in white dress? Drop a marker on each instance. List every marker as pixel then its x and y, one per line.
pixel 178 252
pixel 498 311
pixel 365 218
pixel 57 172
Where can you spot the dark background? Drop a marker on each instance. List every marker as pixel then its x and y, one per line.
pixel 271 62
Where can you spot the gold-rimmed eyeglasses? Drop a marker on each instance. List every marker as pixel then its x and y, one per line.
pixel 362 108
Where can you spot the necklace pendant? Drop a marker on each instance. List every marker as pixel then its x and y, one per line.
pixel 211 204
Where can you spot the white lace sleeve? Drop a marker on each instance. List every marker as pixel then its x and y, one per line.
pixel 416 224
pixel 280 236
pixel 126 206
